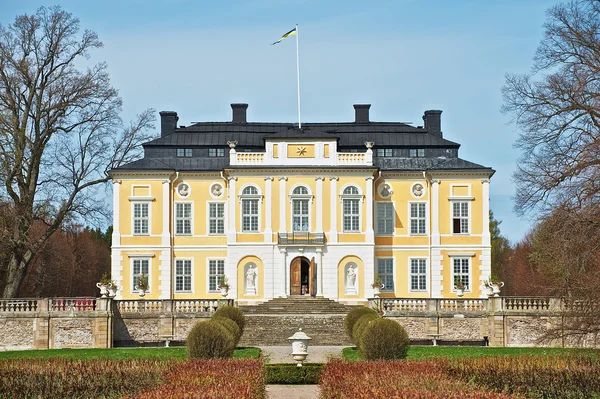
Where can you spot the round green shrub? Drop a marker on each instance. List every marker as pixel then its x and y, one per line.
pixel 209 339
pixel 230 326
pixel 353 316
pixel 232 313
pixel 384 339
pixel 360 325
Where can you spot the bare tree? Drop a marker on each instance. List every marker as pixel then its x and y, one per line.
pixel 60 130
pixel 557 107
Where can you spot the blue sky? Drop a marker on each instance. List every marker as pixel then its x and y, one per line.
pixel 403 57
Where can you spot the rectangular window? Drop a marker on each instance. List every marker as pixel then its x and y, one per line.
pixel 184 152
pixel 216 152
pixel 183 218
pixel 386 218
pixel 216 218
pixel 416 152
pixel 418 274
pixel 300 215
pixel 250 216
pixel 351 215
pixel 384 152
pixel 421 152
pixel 460 217
pixel 461 272
pixel 140 266
pixel 385 270
pixel 418 218
pixel 140 218
pixel 183 275
pixel 216 269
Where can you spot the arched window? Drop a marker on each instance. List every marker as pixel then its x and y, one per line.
pixel 300 209
pixel 250 209
pixel 351 209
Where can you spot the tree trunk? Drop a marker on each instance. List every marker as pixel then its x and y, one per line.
pixel 16 273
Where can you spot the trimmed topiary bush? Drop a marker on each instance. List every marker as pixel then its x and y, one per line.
pixel 353 316
pixel 230 326
pixel 360 325
pixel 234 314
pixel 384 339
pixel 209 339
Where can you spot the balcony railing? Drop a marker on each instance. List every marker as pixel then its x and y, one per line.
pixel 300 238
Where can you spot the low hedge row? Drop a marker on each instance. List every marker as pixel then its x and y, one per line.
pixel 290 373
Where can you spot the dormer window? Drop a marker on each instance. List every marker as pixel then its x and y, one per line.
pixel 416 152
pixel 184 152
pixel 384 152
pixel 216 152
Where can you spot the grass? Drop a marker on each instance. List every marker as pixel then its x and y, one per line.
pixel 118 353
pixel 455 352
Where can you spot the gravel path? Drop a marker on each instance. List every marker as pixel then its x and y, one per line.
pixel 292 391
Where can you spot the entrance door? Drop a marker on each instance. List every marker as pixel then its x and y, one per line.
pixel 296 276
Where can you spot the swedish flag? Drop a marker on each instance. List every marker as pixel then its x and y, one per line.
pixel 290 33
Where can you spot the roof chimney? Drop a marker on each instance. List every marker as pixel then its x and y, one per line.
pixel 168 122
pixel 361 112
pixel 433 122
pixel 239 112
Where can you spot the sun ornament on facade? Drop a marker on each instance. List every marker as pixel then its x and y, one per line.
pixel 301 151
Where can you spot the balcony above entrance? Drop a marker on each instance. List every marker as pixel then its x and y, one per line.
pixel 301 238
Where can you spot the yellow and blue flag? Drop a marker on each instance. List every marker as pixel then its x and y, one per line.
pixel 290 33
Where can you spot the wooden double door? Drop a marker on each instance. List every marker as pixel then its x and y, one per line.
pixel 302 276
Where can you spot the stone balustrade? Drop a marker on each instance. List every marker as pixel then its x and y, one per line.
pixel 200 306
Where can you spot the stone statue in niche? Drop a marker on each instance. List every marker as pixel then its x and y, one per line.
pixel 251 275
pixel 351 280
pixel 184 190
pixel 418 190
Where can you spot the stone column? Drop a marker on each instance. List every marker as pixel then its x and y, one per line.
pixel 370 234
pixel 320 204
pixel 232 204
pixel 319 272
pixel 268 210
pixel 333 234
pixel 282 203
pixel 164 268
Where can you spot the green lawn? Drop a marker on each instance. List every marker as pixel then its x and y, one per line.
pixel 118 353
pixel 453 352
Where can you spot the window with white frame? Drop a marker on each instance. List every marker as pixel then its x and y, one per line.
pixel 184 152
pixel 216 269
pixel 418 274
pixel 216 218
pixel 216 152
pixel 300 202
pixel 460 217
pixel 418 218
pixel 140 218
pixel 183 275
pixel 384 152
pixel 385 270
pixel 250 200
pixel 386 218
pixel 351 209
pixel 140 266
pixel 183 218
pixel 461 272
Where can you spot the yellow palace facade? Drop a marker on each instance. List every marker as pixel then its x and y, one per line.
pixel 282 211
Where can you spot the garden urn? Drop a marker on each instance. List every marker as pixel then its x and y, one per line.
pixel 460 292
pixel 299 346
pixel 103 289
pixel 496 288
pixel 112 291
pixel 224 291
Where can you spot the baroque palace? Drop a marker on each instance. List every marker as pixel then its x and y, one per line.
pixel 282 211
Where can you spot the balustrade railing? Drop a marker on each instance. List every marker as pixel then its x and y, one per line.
pixel 462 305
pixel 526 304
pixel 405 305
pixel 72 304
pixel 351 158
pixel 192 306
pixel 18 305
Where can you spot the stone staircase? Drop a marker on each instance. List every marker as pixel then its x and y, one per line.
pixel 272 322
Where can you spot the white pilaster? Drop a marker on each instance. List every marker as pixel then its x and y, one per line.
pixel 285 285
pixel 282 207
pixel 435 212
pixel 485 202
pixel 232 204
pixel 319 269
pixel 320 204
pixel 164 260
pixel 116 235
pixel 268 210
pixel 333 234
pixel 370 234
pixel 166 207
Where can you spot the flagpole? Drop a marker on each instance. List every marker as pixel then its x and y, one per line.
pixel 298 76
